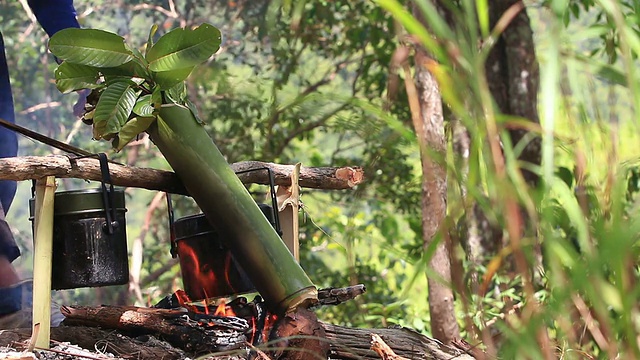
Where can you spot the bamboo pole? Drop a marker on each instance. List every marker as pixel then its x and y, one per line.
pixel 288 207
pixel 43 249
pixel 231 210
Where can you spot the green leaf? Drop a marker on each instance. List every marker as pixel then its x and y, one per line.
pixel 71 77
pixel 184 48
pixel 131 129
pixel 144 106
pixel 90 47
pixel 99 129
pixel 113 108
pixel 482 7
pixel 152 33
pixel 128 70
pixel 156 97
pixel 168 79
pixel 412 25
pixel 194 110
pixel 177 93
pixel 565 175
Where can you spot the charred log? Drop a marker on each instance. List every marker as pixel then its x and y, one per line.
pixel 109 341
pixel 311 339
pixel 344 343
pixel 190 335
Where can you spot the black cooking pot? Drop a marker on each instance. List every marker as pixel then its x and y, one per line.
pixel 89 239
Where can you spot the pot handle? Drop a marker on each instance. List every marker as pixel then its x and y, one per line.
pixel 108 196
pixel 172 231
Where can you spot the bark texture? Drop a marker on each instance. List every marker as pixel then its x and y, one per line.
pixel 513 76
pixel 429 128
pixel 33 167
pixel 349 343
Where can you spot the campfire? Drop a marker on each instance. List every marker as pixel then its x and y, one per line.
pixel 219 310
pixel 220 313
pixel 236 323
pixel 211 326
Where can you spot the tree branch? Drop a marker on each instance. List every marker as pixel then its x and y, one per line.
pixel 33 167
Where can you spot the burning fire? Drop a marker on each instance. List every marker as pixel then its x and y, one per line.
pixel 260 322
pixel 208 271
pixel 197 277
pixel 224 310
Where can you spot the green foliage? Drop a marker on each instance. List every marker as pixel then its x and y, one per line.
pixel 183 48
pixel 124 80
pixel 90 47
pixel 113 109
pixel 70 77
pixel 255 104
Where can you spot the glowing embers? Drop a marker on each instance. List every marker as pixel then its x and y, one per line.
pixel 239 315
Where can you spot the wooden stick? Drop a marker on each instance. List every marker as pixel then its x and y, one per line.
pixel 288 206
pixel 336 296
pixel 42 257
pixel 33 167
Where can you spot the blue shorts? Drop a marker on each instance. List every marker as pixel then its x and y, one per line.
pixel 8 148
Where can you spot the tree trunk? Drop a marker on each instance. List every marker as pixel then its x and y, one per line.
pixel 513 77
pixel 428 124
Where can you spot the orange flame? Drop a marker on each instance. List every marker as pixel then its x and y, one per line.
pixel 224 310
pixel 209 271
pixel 203 275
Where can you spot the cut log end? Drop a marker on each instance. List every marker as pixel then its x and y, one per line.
pixel 299 336
pixel 353 176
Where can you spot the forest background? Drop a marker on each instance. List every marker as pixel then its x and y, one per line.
pixel 318 82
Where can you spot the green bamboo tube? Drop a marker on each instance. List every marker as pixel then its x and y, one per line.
pixel 42 259
pixel 230 209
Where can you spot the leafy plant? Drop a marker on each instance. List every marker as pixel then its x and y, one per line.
pixel 135 92
pixel 128 86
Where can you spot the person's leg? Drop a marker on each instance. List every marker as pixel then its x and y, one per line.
pixel 8 252
pixel 11 293
pixel 8 138
pixel 8 147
